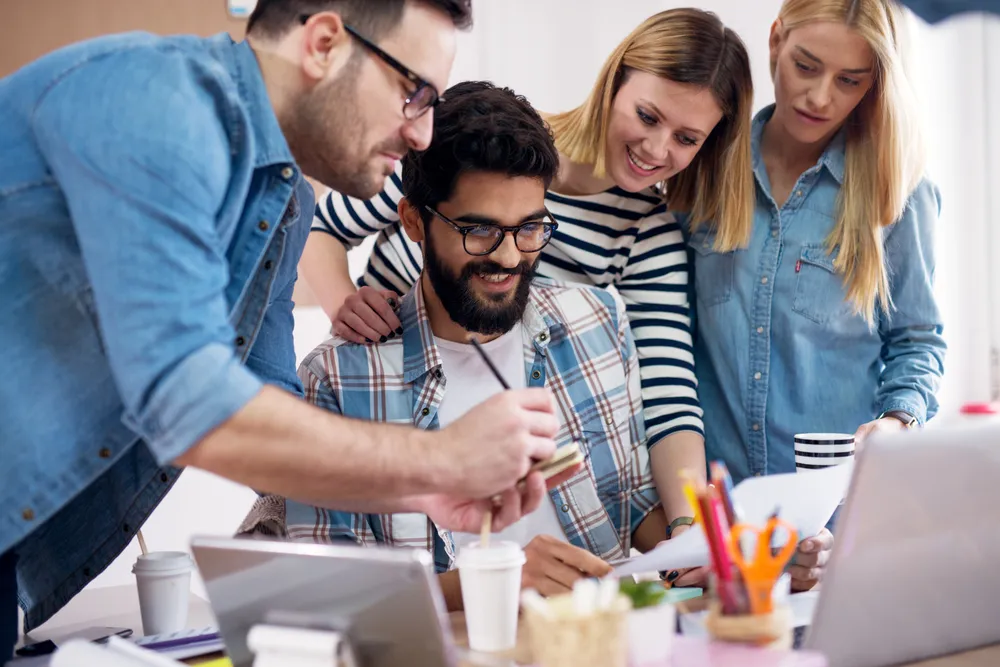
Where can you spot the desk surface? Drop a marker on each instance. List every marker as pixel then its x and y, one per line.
pixel 521 655
pixel 84 611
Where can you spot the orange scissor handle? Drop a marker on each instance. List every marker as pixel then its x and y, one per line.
pixel 763 571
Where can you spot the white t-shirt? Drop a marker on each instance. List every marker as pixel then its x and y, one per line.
pixel 469 383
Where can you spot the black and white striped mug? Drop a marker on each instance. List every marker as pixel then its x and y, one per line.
pixel 814 451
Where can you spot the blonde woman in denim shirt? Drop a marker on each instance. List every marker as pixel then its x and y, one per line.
pixel 824 317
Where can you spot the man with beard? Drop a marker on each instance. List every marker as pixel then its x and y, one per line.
pixel 475 202
pixel 152 213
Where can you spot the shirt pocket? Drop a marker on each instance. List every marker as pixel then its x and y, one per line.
pixel 610 452
pixel 819 288
pixel 713 270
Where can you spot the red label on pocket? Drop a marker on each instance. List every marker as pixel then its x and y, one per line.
pixel 798 266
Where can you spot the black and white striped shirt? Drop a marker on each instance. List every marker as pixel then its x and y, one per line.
pixel 617 238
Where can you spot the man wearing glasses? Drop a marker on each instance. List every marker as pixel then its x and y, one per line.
pixel 475 201
pixel 152 213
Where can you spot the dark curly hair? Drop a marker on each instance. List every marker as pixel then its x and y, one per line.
pixel 479 127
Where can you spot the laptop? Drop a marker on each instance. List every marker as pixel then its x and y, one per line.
pixel 386 601
pixel 913 571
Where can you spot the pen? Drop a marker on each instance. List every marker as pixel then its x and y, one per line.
pixel 489 362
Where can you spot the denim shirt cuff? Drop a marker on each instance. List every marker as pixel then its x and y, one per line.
pixel 911 405
pixel 207 388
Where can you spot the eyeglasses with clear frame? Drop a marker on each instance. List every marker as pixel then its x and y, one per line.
pixel 480 239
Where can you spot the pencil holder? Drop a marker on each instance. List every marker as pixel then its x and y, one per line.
pixel 773 630
pixel 560 638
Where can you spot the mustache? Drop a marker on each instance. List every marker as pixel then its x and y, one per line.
pixel 486 266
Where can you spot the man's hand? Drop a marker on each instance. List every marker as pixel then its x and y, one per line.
pixel 810 560
pixel 553 566
pixel 491 448
pixel 466 516
pixel 367 316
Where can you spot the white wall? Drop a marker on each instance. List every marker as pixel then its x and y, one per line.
pixel 568 41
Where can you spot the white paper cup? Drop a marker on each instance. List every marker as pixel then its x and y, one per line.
pixel 163 579
pixel 814 451
pixel 491 588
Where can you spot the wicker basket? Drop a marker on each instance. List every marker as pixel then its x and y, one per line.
pixel 563 639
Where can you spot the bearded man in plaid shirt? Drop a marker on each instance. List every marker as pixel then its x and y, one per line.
pixel 475 201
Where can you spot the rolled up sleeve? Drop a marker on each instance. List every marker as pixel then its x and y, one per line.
pixel 913 346
pixel 144 173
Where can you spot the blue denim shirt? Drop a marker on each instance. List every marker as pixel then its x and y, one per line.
pixel 148 242
pixel 938 10
pixel 778 350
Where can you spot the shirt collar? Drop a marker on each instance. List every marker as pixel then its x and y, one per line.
pixel 832 158
pixel 270 146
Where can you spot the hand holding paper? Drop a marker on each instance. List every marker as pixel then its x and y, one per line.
pixel 807 501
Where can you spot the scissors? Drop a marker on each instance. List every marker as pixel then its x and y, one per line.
pixel 762 573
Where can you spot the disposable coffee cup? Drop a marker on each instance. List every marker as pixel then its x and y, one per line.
pixel 815 451
pixel 491 588
pixel 163 579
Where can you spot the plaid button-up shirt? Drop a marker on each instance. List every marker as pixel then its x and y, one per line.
pixel 577 342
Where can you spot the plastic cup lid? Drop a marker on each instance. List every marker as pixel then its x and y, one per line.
pixel 157 562
pixel 496 555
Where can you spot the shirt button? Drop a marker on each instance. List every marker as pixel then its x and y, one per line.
pixel 756 376
pixel 287 173
pixel 798 193
pixel 610 421
pixel 262 225
pixel 268 265
pixel 240 341
pixel 105 453
pixel 565 508
pixel 438 373
pixel 164 478
pixel 760 330
pixel 763 281
pixel 425 411
pixel 535 375
pixel 756 474
pixel 543 336
pixel 774 233
pixel 28 514
pixel 756 427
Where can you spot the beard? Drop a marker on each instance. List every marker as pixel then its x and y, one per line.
pixel 487 315
pixel 326 132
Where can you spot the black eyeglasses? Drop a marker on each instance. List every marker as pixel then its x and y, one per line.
pixel 424 96
pixel 484 238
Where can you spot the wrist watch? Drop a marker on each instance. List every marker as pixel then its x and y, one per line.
pixel 908 420
pixel 679 521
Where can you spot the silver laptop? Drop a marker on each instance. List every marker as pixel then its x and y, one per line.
pixel 913 574
pixel 387 601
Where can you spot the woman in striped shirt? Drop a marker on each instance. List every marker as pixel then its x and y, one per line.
pixel 667 125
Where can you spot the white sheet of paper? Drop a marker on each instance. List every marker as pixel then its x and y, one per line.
pixel 806 500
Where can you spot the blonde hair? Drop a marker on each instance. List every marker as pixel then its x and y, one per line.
pixel 884 157
pixel 688 46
